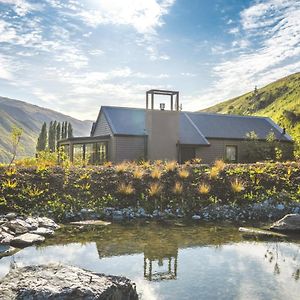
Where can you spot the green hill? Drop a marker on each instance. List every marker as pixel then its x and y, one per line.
pixel 279 100
pixel 30 118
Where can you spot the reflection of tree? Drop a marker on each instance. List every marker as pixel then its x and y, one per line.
pixel 274 255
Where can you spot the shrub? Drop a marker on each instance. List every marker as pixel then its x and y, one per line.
pixel 237 186
pixel 125 189
pixel 183 173
pixel 178 188
pixel 214 173
pixel 121 168
pixel 155 189
pixel 171 166
pixel 156 173
pixel 138 173
pixel 204 188
pixel 220 164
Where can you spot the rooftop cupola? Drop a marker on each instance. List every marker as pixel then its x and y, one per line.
pixel 174 99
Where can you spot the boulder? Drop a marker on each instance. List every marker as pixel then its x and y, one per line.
pixel 43 231
pixel 289 222
pixel 18 226
pixel 196 217
pixel 26 239
pixel 33 222
pixel 48 223
pixel 10 216
pixel 64 282
pixel 5 237
pixel 90 222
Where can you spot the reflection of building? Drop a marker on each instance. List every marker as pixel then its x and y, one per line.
pixel 170 268
pixel 160 263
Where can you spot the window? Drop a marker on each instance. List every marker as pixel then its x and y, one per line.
pixel 231 153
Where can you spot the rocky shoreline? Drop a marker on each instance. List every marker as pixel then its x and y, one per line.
pixel 63 282
pixel 19 232
pixel 267 210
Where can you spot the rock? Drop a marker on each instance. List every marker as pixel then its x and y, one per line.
pixel 26 239
pixel 33 222
pixel 7 250
pixel 196 217
pixel 18 226
pixel 5 237
pixel 64 282
pixel 90 222
pixel 117 215
pixel 11 216
pixel 289 222
pixel 43 231
pixel 280 206
pixel 251 232
pixel 46 222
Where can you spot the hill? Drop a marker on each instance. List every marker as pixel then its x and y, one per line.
pixel 30 118
pixel 279 100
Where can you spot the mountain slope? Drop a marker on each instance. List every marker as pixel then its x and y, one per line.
pixel 279 100
pixel 30 118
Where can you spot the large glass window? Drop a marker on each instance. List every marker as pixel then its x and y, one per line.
pixel 78 154
pixel 231 153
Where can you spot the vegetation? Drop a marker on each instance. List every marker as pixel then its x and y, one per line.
pixel 30 118
pixel 40 186
pixel 279 100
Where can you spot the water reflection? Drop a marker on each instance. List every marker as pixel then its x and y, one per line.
pixel 173 261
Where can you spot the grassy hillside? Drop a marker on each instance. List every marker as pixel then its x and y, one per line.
pixel 30 118
pixel 279 100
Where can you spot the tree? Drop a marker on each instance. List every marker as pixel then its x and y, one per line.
pixel 15 137
pixel 51 137
pixel 70 130
pixel 58 133
pixel 42 139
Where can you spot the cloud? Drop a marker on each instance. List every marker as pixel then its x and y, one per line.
pixel 21 7
pixel 6 68
pixel 274 27
pixel 144 16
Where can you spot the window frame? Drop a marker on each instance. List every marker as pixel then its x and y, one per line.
pixel 236 153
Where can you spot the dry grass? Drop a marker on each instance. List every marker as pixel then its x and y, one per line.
pixel 178 188
pixel 237 186
pixel 204 188
pixel 121 168
pixel 125 189
pixel 183 173
pixel 154 189
pixel 220 164
pixel 171 166
pixel 214 173
pixel 107 164
pixel 138 173
pixel 156 173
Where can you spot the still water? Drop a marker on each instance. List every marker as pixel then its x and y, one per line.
pixel 176 260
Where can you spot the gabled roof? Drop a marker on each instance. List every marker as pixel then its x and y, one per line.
pixel 195 127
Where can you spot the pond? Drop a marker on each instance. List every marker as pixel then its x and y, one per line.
pixel 176 260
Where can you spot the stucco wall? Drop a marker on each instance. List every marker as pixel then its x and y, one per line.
pixel 216 150
pixel 163 134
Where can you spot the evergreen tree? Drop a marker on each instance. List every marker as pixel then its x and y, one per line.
pixel 42 139
pixel 51 137
pixel 63 130
pixel 58 133
pixel 66 129
pixel 70 130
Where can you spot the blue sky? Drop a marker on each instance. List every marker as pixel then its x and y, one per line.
pixel 74 56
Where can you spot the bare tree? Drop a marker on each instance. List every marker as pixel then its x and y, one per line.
pixel 15 138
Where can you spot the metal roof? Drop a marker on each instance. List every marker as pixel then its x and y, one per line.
pixel 195 128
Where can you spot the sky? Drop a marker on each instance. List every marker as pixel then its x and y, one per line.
pixel 75 55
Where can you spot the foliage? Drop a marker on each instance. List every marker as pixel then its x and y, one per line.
pixel 42 139
pixel 43 187
pixel 15 138
pixel 279 100
pixel 183 173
